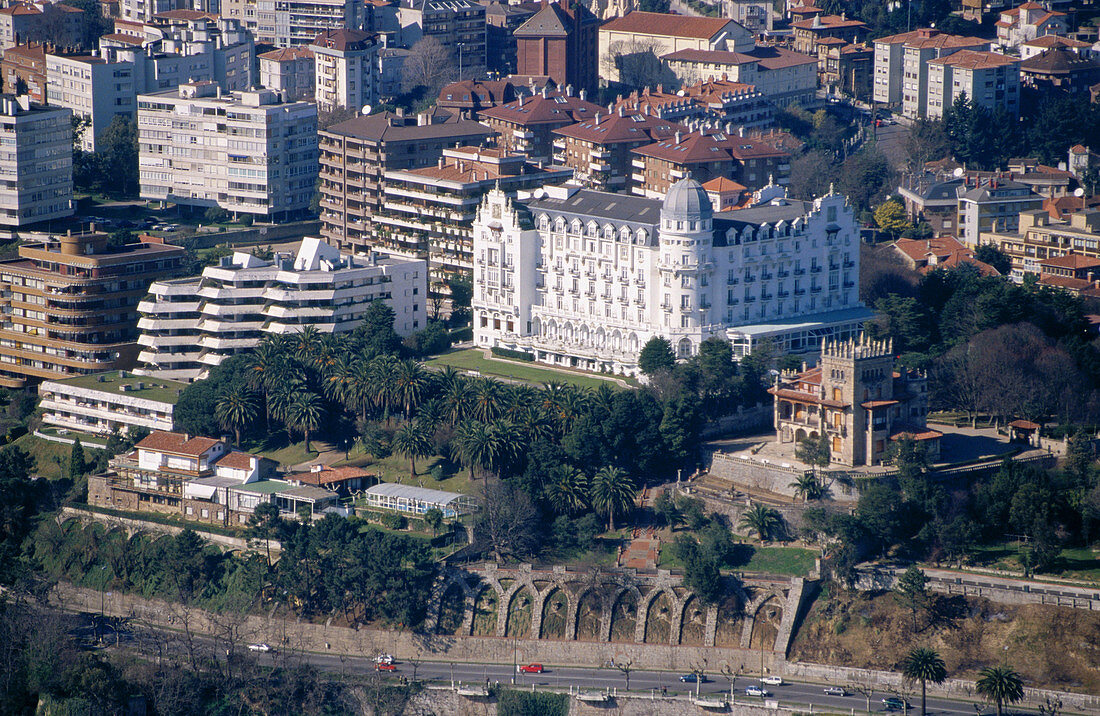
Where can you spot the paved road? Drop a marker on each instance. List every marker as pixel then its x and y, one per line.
pixel 891 139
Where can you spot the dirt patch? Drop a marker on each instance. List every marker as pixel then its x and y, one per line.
pixel 1053 647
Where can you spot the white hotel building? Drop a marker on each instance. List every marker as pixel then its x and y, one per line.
pixel 583 278
pixel 189 325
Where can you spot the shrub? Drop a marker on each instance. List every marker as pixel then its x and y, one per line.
pixel 512 355
pixel 216 215
pixel 394 521
pixel 438 473
pixel 533 703
pixel 247 220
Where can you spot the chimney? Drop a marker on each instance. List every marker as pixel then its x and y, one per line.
pixel 583 94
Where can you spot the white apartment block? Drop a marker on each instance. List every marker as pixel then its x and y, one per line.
pixel 288 70
pixel 95 90
pixel 989 79
pixel 900 65
pixel 146 10
pixel 107 402
pixel 189 325
pixel 584 279
pixel 36 162
pixel 247 152
pixel 345 69
pixel 297 22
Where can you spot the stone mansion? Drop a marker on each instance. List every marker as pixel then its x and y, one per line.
pixel 584 279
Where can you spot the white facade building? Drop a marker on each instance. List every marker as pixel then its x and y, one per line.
pixel 103 403
pixel 584 278
pixel 95 90
pixel 36 162
pixel 345 63
pixel 988 79
pixel 247 152
pixel 189 325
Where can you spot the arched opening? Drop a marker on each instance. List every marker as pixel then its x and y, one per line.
pixel 658 623
pixel 555 609
pixel 452 609
pixel 765 624
pixel 485 613
pixel 693 624
pixel 519 614
pixel 624 617
pixel 589 614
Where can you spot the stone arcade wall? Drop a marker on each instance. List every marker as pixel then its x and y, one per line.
pixel 773 477
pixel 605 598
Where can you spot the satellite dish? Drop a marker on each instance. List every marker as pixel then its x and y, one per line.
pixel 366 110
pixel 681 93
pixel 540 193
pixel 958 172
pixel 1078 192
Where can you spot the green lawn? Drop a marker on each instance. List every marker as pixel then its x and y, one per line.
pixel 1072 563
pixel 473 359
pixel 396 469
pixel 51 459
pixel 286 455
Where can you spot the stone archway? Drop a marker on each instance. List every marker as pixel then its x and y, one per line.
pixel 520 608
pixel 589 616
pixel 766 618
pixel 658 623
pixel 555 613
pixel 485 612
pixel 693 622
pixel 624 616
pixel 730 623
pixel 452 609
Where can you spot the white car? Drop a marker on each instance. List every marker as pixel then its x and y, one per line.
pixel 383 659
pixel 757 691
pixel 772 680
pixel 262 648
pixel 835 691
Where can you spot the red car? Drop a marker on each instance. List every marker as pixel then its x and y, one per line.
pixel 385 667
pixel 531 668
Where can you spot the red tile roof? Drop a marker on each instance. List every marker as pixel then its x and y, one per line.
pixel 974 60
pixel 238 460
pixel 917 434
pixel 690 148
pixel 19 9
pixel 722 185
pixel 826 22
pixel 614 128
pixel 176 443
pixel 1024 425
pixel 1048 41
pixel 1071 261
pixel 288 54
pixel 659 23
pixel 330 475
pixel 124 38
pixel 341 39
pixel 186 15
pixel 554 108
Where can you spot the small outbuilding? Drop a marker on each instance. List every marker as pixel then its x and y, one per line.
pixel 418 500
pixel 1024 432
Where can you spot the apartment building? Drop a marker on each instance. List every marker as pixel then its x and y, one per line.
pixel 994 204
pixel 458 25
pixel 719 100
pixel 599 150
pixel 148 10
pixel 808 34
pixel 1031 48
pixel 202 480
pixel 561 41
pixel 190 325
pixel 1027 22
pixel 754 15
pixel 55 23
pixel 1059 71
pixel 707 154
pixel 583 279
pixel 661 34
pixel 527 125
pixel 988 79
pixel 70 304
pixel 299 22
pixel 37 162
pixel 106 403
pixel 430 212
pixel 95 90
pixel 901 65
pixel 23 69
pixel 246 152
pixel 846 68
pixel 346 69
pixel 356 154
pixel 289 70
pixel 784 77
pixel 932 198
pixel 858 399
pixel 1039 238
pixel 470 97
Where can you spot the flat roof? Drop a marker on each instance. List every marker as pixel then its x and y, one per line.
pixel 804 322
pixel 158 389
pixel 411 492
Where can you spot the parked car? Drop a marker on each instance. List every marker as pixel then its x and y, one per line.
pixel 692 678
pixel 262 648
pixel 530 669
pixel 383 659
pixel 757 691
pixel 893 703
pixel 772 680
pixel 385 667
pixel 835 691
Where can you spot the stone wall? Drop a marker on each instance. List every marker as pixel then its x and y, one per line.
pixel 132 526
pixel 754 418
pixel 757 474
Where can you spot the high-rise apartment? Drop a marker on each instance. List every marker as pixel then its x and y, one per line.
pixel 70 304
pixel 246 152
pixel 36 161
pixel 346 69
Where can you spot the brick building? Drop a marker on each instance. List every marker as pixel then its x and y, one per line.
pixel 599 149
pixel 527 125
pixel 561 41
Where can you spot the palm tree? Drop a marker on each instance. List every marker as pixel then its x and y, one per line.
pixel 486 400
pixel 358 395
pixel 458 400
pixel 383 388
pixel 760 519
pixel 280 398
pixel 305 343
pixel 305 413
pixel 807 487
pixel 413 440
pixel 236 410
pixel 924 665
pixel 1000 684
pixel 613 492
pixel 410 382
pixel 475 445
pixel 262 365
pixel 568 492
